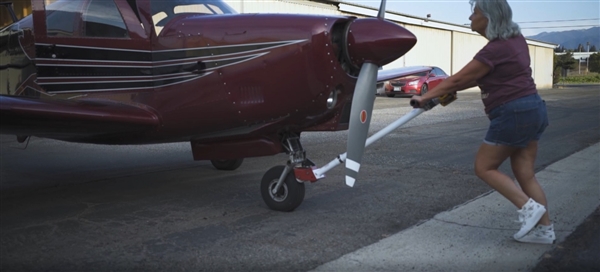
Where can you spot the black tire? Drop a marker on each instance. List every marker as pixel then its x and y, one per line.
pixel 290 194
pixel 424 89
pixel 390 95
pixel 228 165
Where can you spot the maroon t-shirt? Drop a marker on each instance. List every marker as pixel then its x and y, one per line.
pixel 510 74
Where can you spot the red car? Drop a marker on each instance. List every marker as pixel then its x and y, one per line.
pixel 416 84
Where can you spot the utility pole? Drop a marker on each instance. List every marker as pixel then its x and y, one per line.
pixel 588 45
pixel 587 65
pixel 587 60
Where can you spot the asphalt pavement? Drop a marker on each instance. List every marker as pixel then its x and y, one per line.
pixel 477 236
pixel 77 207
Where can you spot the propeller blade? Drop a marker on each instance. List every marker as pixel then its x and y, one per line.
pixel 360 118
pixel 381 13
pixel 363 49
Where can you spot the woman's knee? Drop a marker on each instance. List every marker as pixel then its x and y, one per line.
pixel 523 174
pixel 481 169
pixel 489 158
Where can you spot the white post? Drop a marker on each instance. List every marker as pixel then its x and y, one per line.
pixel 588 44
pixel 587 65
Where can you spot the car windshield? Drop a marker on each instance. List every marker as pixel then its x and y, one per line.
pixel 421 74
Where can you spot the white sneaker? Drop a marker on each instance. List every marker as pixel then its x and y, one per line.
pixel 539 235
pixel 529 215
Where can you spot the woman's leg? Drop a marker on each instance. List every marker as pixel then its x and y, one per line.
pixel 487 161
pixel 522 162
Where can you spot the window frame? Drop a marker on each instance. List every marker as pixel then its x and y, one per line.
pixel 83 22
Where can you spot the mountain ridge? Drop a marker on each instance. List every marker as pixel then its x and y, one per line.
pixel 571 39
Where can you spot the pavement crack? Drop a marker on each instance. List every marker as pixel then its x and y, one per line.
pixel 490 228
pixel 472 226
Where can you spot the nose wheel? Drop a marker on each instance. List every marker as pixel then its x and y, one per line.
pixel 288 195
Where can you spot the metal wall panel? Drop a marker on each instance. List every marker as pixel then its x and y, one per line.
pixel 532 57
pixel 431 48
pixel 398 63
pixel 544 62
pixel 464 48
pixel 449 48
pixel 283 6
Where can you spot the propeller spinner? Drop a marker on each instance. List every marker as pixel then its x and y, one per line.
pixel 370 43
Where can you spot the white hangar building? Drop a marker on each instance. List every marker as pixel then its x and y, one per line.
pixel 446 45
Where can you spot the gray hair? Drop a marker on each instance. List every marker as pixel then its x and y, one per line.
pixel 499 15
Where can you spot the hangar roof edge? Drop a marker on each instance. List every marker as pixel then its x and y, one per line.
pixel 415 20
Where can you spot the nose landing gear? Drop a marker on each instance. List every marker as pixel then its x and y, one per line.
pixel 280 190
pixel 279 187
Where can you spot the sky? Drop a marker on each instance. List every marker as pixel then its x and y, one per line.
pixel 549 15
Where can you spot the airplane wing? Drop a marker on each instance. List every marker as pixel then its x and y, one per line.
pixel 66 119
pixel 384 75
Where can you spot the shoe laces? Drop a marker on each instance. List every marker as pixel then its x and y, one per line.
pixel 522 215
pixel 539 232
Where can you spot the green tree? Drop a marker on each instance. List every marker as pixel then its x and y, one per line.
pixel 593 48
pixel 594 63
pixel 561 64
pixel 556 71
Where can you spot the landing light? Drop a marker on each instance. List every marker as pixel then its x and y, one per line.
pixel 332 100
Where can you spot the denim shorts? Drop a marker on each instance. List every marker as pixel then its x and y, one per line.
pixel 517 122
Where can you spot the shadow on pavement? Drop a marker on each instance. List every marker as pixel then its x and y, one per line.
pixel 579 252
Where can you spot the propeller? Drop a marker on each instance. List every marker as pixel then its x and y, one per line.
pixel 370 43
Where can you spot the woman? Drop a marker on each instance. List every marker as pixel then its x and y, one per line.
pixel 517 115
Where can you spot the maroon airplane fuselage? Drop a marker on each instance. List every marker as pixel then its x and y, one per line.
pixel 231 84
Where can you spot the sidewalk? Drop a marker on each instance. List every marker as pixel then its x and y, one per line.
pixel 477 236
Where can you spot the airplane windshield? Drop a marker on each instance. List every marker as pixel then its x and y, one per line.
pixel 163 11
pixel 91 18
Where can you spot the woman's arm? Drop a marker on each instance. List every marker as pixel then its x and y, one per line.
pixel 464 79
pixel 468 85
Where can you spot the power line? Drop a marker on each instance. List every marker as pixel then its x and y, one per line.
pixel 573 20
pixel 557 26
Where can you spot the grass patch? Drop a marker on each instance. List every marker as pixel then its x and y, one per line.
pixel 574 79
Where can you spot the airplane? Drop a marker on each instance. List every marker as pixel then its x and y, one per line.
pixel 235 86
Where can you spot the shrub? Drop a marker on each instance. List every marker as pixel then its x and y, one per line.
pixel 594 63
pixel 556 75
pixel 589 78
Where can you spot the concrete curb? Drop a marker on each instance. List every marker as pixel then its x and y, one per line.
pixel 477 236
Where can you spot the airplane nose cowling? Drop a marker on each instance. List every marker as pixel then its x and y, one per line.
pixel 376 41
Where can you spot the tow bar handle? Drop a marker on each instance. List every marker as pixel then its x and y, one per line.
pixel 443 100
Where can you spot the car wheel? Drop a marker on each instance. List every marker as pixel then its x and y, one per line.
pixel 424 89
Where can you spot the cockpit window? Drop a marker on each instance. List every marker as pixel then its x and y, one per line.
pixel 100 18
pixel 61 18
pixel 103 19
pixel 198 8
pixel 163 11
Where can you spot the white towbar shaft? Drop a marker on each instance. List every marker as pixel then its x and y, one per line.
pixel 312 174
pixel 320 172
